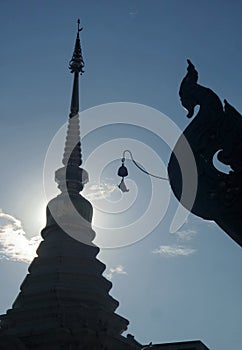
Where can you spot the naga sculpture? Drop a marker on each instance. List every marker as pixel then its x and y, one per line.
pixel 216 131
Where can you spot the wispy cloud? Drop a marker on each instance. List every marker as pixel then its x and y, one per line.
pixel 100 191
pixel 186 235
pixel 115 270
pixel 133 13
pixel 14 245
pixel 173 250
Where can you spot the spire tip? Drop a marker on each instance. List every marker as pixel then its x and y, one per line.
pixel 78 26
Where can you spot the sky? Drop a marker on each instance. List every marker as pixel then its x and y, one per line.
pixel 171 285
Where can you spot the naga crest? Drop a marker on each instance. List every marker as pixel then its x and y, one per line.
pixel 215 132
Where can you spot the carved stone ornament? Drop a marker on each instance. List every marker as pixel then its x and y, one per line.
pixel 215 132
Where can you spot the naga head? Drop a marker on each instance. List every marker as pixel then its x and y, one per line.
pixel 186 91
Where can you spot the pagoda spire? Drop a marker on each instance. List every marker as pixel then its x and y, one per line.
pixel 76 66
pixel 71 178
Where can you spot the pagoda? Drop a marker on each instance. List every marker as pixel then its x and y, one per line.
pixel 64 300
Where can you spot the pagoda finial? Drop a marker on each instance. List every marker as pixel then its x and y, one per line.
pixel 76 64
pixel 78 25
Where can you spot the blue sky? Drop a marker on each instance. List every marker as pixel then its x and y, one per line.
pixel 172 287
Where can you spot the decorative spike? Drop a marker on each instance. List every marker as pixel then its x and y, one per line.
pixel 76 64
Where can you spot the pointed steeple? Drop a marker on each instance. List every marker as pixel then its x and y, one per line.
pixel 71 178
pixel 76 66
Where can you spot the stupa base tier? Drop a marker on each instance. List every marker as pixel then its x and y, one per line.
pixel 64 294
pixel 22 321
pixel 63 338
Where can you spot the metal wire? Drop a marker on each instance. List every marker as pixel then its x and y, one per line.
pixel 140 168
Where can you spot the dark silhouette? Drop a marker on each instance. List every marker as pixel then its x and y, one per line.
pixel 215 130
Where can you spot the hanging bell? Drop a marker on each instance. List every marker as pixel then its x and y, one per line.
pixel 123 171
